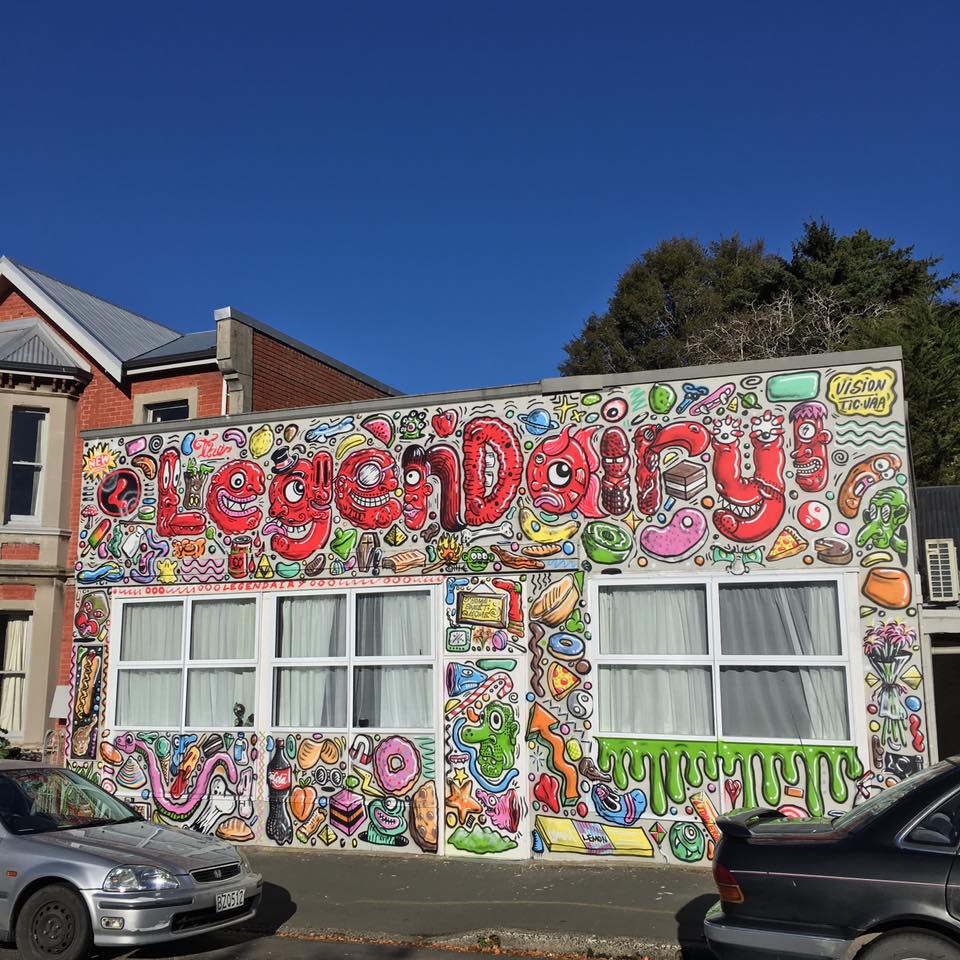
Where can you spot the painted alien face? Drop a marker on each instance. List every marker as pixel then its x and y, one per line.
pixel 232 496
pixel 810 439
pixel 477 558
pixel 300 507
pixel 366 488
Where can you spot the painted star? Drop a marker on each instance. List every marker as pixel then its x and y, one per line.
pixel 563 407
pixel 460 775
pixel 632 521
pixel 460 798
pixel 576 415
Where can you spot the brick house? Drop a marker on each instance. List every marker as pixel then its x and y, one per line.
pixel 72 361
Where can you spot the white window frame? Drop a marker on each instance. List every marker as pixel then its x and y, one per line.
pixel 849 658
pixel 6 616
pixel 266 661
pixel 149 408
pixel 269 629
pixel 184 664
pixel 40 466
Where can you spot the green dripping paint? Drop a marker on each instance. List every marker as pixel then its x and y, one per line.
pixel 687 761
pixel 670 766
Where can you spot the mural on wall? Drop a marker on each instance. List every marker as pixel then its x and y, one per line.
pixel 485 799
pixel 518 504
pixel 377 791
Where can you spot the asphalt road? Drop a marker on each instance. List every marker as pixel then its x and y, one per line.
pixel 248 947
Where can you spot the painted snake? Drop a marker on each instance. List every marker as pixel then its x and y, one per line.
pixel 128 743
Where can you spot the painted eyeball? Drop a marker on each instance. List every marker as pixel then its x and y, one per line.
pixel 496 720
pixel 293 492
pixel 369 475
pixel 412 477
pixel 237 481
pixel 559 474
pixel 884 468
pixel 806 430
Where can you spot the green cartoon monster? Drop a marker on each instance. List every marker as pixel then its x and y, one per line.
pixel 497 737
pixel 477 559
pixel 884 522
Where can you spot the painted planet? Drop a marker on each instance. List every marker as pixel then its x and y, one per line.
pixel 538 421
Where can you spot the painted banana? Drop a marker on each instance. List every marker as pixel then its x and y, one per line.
pixel 542 532
pixel 348 443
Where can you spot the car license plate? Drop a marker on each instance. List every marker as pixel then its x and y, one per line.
pixel 229 900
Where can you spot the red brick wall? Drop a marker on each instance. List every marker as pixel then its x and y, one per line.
pixel 104 403
pixel 284 377
pixel 14 307
pixel 17 591
pixel 19 551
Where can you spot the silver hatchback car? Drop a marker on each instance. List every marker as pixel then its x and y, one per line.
pixel 80 868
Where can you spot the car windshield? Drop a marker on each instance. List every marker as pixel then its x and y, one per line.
pixel 43 800
pixel 881 802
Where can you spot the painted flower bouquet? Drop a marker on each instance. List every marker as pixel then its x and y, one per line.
pixel 889 647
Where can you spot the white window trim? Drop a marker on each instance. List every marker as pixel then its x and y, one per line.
pixel 148 409
pixel 184 664
pixel 850 657
pixel 17 735
pixel 266 660
pixel 269 625
pixel 31 519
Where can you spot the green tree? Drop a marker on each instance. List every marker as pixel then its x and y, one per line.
pixel 676 288
pixel 685 303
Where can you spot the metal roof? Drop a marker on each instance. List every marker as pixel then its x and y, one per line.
pixel 122 332
pixel 938 513
pixel 29 345
pixel 189 346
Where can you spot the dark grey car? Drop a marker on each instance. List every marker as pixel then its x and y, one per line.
pixel 80 868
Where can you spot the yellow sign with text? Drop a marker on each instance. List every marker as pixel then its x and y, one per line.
pixel 867 393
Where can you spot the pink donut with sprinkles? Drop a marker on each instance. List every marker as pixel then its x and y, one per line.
pixel 396 765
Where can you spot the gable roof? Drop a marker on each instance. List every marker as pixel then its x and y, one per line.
pixel 30 345
pixel 109 333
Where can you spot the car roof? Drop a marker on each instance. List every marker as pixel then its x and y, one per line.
pixel 24 765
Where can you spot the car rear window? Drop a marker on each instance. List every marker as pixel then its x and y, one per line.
pixel 881 802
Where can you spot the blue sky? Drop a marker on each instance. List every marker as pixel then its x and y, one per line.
pixel 440 194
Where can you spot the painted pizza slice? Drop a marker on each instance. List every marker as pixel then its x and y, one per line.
pixel 788 544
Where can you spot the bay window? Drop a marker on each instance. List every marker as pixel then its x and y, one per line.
pixel 715 659
pixel 14 628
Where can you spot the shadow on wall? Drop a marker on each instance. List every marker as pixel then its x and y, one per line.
pixel 690 916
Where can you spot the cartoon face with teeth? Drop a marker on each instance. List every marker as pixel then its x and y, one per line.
pixel 300 507
pixel 232 496
pixel 366 489
pixel 810 441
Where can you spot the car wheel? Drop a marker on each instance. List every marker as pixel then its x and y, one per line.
pixel 910 946
pixel 54 923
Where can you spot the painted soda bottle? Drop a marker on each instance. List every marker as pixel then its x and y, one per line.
pixel 279 827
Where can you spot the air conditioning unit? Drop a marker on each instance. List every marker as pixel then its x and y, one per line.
pixel 942 578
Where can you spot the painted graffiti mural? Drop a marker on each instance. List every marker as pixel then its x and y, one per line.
pixel 514 511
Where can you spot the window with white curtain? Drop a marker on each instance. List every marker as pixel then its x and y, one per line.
pixel 335 661
pixel 187 663
pixel 14 629
pixel 354 660
pixel 764 660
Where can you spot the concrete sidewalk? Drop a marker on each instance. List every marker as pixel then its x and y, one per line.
pixel 612 909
